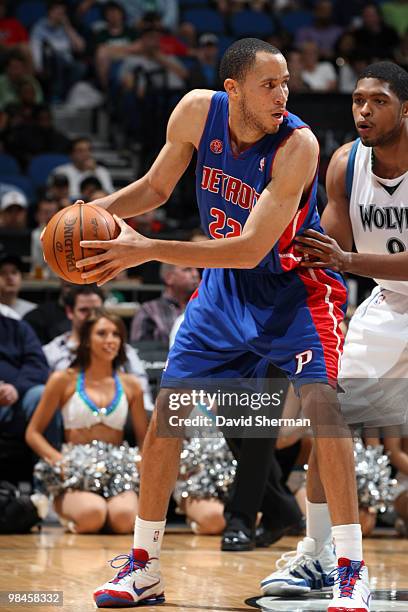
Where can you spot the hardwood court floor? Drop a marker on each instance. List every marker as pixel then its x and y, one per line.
pixel 199 577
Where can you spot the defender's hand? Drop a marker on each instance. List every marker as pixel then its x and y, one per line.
pixel 127 250
pixel 324 252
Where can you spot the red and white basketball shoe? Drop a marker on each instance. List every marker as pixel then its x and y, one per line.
pixel 138 583
pixel 351 591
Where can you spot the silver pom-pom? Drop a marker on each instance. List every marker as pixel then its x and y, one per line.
pixel 373 473
pixel 207 470
pixel 98 467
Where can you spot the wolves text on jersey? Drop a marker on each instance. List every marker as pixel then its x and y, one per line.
pixel 384 217
pixel 232 189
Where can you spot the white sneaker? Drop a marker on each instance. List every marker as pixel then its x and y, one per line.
pixel 138 583
pixel 302 570
pixel 351 591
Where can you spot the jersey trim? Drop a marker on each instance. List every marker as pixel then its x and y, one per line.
pixel 350 167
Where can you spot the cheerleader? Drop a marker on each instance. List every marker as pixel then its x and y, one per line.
pixel 94 479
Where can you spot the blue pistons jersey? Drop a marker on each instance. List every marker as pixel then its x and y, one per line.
pixel 240 320
pixel 228 186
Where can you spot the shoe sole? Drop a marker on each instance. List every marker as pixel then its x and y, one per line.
pixel 285 590
pixel 107 601
pixel 235 548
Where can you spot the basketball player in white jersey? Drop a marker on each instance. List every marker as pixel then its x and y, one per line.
pixel 367 188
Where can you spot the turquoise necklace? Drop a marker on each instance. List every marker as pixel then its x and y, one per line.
pixel 80 388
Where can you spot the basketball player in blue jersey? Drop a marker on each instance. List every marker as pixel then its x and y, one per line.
pixel 367 188
pixel 256 191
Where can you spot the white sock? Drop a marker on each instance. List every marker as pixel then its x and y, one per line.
pixel 149 535
pixel 318 523
pixel 348 541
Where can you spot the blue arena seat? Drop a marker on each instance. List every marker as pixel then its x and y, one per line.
pixel 9 165
pixel 30 11
pixel 251 23
pixel 22 183
pixel 291 22
pixel 42 165
pixel 205 20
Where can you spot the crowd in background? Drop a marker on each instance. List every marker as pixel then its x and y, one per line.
pixel 134 59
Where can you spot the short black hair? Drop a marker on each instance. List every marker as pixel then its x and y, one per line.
pixel 71 296
pixel 394 75
pixel 90 181
pixel 239 58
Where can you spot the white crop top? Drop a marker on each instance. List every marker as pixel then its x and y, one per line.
pixel 80 412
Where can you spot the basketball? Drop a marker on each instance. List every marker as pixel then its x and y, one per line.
pixel 63 233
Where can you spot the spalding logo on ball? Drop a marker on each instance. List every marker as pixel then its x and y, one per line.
pixel 64 232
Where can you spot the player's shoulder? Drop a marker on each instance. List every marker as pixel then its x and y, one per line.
pixel 197 101
pixel 301 141
pixel 340 158
pixel 189 117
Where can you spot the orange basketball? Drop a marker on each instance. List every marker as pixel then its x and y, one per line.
pixel 63 233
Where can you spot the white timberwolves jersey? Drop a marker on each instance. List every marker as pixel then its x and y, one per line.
pixel 378 210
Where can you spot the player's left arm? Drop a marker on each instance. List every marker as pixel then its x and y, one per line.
pixel 294 167
pixel 328 254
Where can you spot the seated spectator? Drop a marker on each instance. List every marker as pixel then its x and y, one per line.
pixel 83 164
pixel 136 9
pixel 154 319
pixel 13 35
pixel 49 318
pixel 151 67
pixel 13 209
pixel 374 38
pixel 16 73
pixel 94 400
pixel 61 351
pixel 297 84
pixel 113 42
pixel 88 187
pixel 204 74
pixel 45 210
pixel 323 32
pixel 149 223
pixel 170 44
pixel 401 51
pixel 58 190
pixel 11 274
pixel 36 136
pixel 319 76
pixel 396 15
pixel 54 44
pixel 22 368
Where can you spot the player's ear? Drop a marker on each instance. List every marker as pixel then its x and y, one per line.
pixel 231 87
pixel 405 109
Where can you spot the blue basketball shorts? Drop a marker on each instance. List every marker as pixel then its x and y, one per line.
pixel 239 321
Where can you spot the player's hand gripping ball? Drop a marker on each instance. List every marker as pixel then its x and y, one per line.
pixel 63 233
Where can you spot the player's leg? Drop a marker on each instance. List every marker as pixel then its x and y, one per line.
pixel 139 579
pixel 122 511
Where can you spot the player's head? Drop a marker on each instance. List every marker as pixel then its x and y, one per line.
pixel 380 103
pixel 255 77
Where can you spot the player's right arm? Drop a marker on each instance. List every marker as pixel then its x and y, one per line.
pixel 50 400
pixel 336 216
pixel 184 132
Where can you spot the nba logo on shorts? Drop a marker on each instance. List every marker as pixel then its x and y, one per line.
pixel 303 359
pixel 216 146
pixel 156 536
